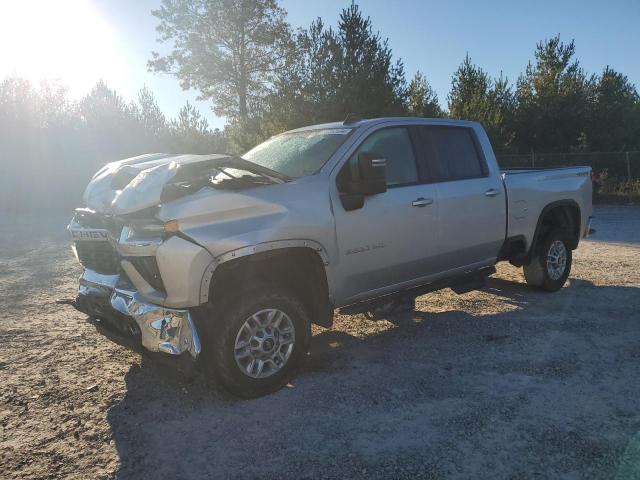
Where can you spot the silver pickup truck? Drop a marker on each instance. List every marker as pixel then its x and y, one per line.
pixel 225 261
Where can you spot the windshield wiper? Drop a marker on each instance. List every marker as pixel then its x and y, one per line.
pixel 249 166
pixel 192 177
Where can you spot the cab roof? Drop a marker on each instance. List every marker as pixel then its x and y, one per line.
pixel 375 121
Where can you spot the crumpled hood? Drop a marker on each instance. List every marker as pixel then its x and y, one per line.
pixel 136 183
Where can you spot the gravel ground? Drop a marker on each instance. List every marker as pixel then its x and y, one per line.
pixel 499 383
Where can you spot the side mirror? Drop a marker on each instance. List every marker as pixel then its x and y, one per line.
pixel 367 176
pixel 372 174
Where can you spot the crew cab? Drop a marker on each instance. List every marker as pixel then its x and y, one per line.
pixel 224 262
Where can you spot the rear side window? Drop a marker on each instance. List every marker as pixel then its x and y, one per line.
pixel 449 153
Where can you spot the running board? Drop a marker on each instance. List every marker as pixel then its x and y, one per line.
pixel 460 284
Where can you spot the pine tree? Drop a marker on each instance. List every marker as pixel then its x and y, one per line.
pixel 228 50
pixel 330 74
pixel 190 133
pixel 476 96
pixel 150 116
pixel 422 100
pixel 554 97
pixel 614 121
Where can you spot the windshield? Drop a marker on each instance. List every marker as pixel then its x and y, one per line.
pixel 298 154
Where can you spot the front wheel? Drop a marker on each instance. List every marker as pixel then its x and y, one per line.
pixel 259 342
pixel 551 263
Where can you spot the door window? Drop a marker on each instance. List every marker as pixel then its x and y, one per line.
pixel 449 153
pixel 394 144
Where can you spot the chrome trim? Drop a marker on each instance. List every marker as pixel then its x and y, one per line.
pixel 165 330
pixel 422 202
pixel 127 244
pixel 84 210
pixel 89 289
pixel 109 281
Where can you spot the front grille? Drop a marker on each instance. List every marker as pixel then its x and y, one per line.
pixel 89 219
pixel 98 256
pixel 148 268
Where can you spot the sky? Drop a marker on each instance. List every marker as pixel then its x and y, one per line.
pixel 78 42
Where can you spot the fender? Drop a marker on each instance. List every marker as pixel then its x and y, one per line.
pixel 560 203
pixel 260 248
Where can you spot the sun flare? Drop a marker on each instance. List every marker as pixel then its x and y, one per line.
pixel 65 41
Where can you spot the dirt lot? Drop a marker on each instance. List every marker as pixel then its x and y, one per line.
pixel 501 383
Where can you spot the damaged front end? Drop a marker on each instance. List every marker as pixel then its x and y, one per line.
pixel 143 277
pixel 115 305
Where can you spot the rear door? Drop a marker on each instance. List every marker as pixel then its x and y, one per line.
pixel 471 199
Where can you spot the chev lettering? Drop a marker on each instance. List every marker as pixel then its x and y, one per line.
pixel 91 235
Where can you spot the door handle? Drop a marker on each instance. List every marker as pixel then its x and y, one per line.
pixel 492 192
pixel 422 202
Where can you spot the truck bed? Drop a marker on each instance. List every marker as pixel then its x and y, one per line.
pixel 529 191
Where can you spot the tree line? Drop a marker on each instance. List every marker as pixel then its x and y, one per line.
pixel 265 77
pixel 50 146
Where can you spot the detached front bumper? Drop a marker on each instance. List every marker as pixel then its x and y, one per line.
pixel 117 311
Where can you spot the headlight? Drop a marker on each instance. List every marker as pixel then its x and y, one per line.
pixel 145 229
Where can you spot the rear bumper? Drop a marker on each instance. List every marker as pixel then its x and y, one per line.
pixel 117 311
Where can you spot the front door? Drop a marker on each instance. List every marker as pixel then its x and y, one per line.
pixel 389 242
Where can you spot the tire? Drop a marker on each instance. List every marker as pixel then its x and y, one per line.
pixel 250 318
pixel 547 270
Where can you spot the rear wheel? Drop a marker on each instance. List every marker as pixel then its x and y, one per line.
pixel 259 341
pixel 551 263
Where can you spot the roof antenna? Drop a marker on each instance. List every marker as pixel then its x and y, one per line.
pixel 352 118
